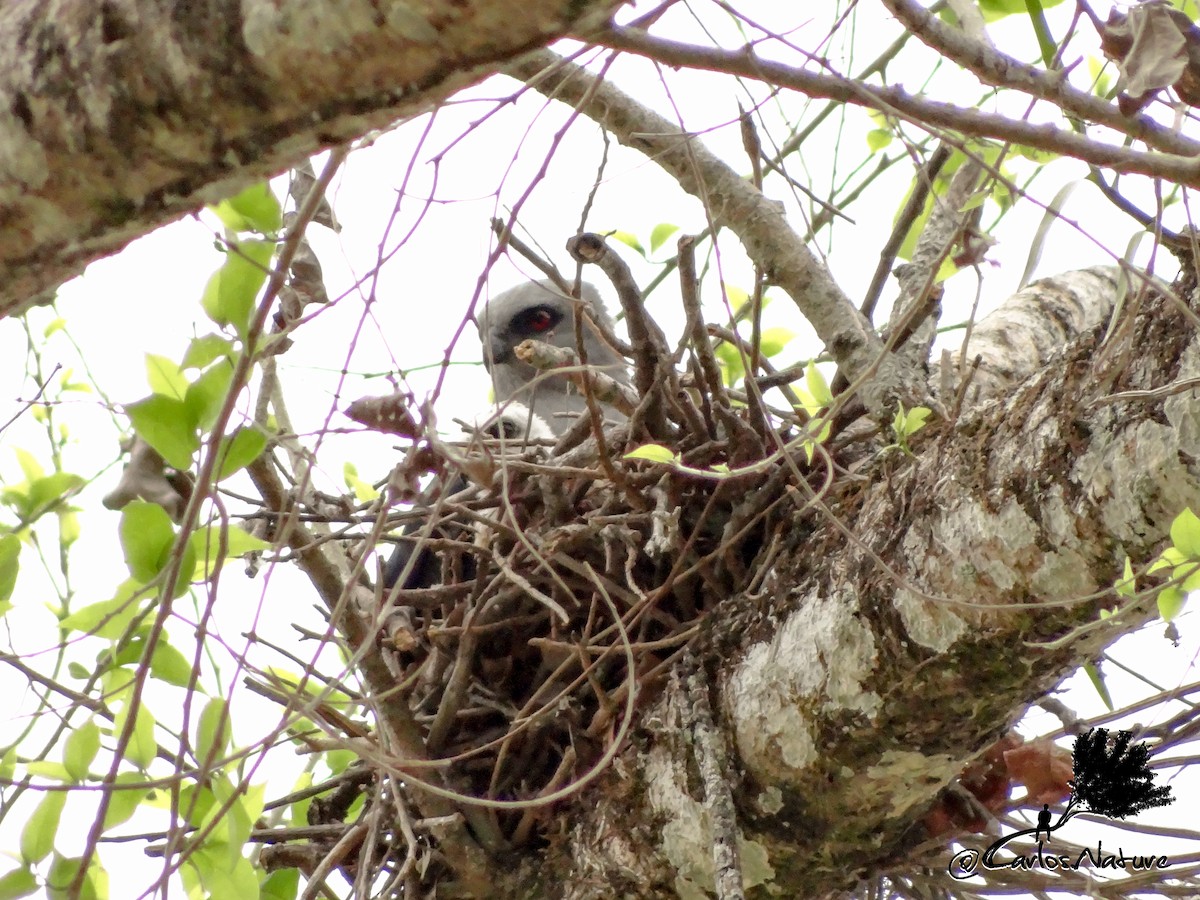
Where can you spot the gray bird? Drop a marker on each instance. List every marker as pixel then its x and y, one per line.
pixel 540 311
pixel 528 405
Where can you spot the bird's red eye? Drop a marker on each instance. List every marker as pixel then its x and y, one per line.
pixel 537 321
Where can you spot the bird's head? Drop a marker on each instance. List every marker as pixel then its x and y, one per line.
pixel 538 310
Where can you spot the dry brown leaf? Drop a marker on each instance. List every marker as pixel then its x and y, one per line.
pixel 1044 768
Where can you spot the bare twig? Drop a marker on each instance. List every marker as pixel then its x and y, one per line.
pixel 922 186
pixel 507 239
pixel 564 362
pixel 651 355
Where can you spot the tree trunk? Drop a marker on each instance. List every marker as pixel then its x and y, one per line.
pixel 126 114
pixel 934 599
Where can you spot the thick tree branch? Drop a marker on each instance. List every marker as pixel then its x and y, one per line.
pixel 965 580
pixel 1031 327
pixel 1176 165
pixel 996 68
pixel 735 204
pixel 121 116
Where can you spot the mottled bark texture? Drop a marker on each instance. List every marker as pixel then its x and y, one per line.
pixel 120 115
pixel 908 629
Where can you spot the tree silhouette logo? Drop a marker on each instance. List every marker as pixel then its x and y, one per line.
pixel 1112 778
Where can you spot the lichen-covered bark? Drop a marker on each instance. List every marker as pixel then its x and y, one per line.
pixel 119 115
pixel 871 669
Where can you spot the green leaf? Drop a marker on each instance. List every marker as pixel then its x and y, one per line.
pixel 1102 81
pixel 222 876
pixel 240 450
pixel 818 387
pixel 231 291
pixel 47 768
pixel 206 394
pixel 1034 154
pixel 37 837
pixel 55 325
pixel 146 537
pixel 946 269
pixel 975 201
pixel 80 749
pixel 878 138
pixel 62 876
pixel 660 233
pixel 253 802
pixel 206 544
pixel 653 453
pixel 736 297
pixel 124 801
pixel 254 209
pixel 47 492
pixel 1169 558
pixel 1052 214
pixel 819 429
pixel 30 467
pixel 165 376
pixel 999 9
pixel 168 426
pixel 1185 534
pixel 169 665
pixel 628 240
pixel 18 883
pixel 731 363
pixel 195 802
pixel 117 683
pixel 242 542
pixel 10 553
pixel 204 350
pixel 142 747
pixel 1093 674
pixel 914 419
pixel 109 619
pixel 214 731
pixel 282 884
pixel 68 526
pixel 1170 602
pixel 1041 28
pixel 1126 585
pixel 774 340
pixel 1191 580
pixel 338 761
pixel 187 571
pixel 364 492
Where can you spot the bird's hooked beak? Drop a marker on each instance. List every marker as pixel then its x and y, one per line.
pixel 497 354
